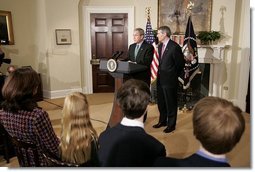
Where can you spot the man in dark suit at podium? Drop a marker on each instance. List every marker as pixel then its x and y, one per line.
pixel 141 52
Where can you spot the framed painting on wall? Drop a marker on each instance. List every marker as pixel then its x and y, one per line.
pixel 6 30
pixel 172 13
pixel 63 36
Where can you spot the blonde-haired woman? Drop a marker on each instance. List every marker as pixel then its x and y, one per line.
pixel 78 143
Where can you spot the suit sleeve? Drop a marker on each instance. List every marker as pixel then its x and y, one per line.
pixel 179 60
pixel 148 55
pixel 129 54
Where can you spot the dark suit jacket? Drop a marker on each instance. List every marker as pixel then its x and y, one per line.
pixel 144 57
pixel 123 146
pixel 171 64
pixel 194 160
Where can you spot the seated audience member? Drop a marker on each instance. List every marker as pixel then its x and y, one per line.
pixel 3 77
pixel 20 115
pixel 218 125
pixel 1 53
pixel 78 143
pixel 127 144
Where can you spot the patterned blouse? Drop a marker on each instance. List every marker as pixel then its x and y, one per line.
pixel 32 126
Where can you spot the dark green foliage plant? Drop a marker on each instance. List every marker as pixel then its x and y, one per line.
pixel 207 37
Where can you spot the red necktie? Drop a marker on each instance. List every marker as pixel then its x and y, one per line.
pixel 163 49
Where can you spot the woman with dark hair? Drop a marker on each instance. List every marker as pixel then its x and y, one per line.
pixel 20 115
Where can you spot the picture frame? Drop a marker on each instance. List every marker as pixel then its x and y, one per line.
pixel 6 28
pixel 63 36
pixel 172 13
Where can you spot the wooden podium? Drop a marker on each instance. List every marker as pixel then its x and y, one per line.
pixel 121 74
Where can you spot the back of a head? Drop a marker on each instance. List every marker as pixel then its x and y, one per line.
pixel 133 98
pixel 218 124
pixel 76 106
pixel 20 85
pixel 23 81
pixel 77 130
pixel 156 40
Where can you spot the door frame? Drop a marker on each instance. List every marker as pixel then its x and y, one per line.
pixel 87 10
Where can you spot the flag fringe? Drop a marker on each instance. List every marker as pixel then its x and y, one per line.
pixel 190 78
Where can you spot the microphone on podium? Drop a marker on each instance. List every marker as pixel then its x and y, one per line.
pixel 114 55
pixel 117 56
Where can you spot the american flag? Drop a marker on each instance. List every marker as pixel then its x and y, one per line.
pixel 189 50
pixel 154 63
pixel 149 37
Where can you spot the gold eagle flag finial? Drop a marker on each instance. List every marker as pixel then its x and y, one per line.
pixel 189 7
pixel 148 12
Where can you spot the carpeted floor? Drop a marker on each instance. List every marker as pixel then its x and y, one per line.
pixel 179 143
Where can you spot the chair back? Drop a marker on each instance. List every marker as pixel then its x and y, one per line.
pixel 4 143
pixel 54 161
pixel 26 152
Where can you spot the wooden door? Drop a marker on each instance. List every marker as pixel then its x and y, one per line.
pixel 108 34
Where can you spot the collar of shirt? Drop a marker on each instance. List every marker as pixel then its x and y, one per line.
pixel 165 42
pixel 132 122
pixel 208 155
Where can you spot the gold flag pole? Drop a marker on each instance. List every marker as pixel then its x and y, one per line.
pixel 188 12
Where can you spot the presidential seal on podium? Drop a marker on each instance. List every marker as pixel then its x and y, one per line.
pixel 111 65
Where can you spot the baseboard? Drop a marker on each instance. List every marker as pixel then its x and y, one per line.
pixel 59 93
pixel 86 90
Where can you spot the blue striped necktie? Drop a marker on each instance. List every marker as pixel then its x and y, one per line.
pixel 136 50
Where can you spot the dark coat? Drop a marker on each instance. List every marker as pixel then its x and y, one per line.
pixel 194 160
pixel 171 64
pixel 144 57
pixel 123 146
